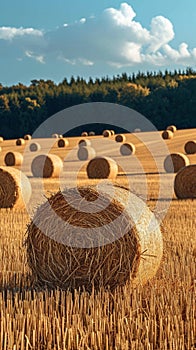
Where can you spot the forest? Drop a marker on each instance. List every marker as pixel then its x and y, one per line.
pixel 162 97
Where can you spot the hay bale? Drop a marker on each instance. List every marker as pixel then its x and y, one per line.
pixel 84 143
pixel 117 241
pixel 15 188
pixel 175 161
pixel 60 136
pixel 34 147
pixel 85 153
pixel 112 132
pixel 55 136
pixel 46 166
pixel 1 139
pixel 167 135
pixel 91 133
pixel 102 168
pixel 106 133
pixel 127 148
pixel 190 147
pixel 13 158
pixel 120 138
pixel 172 128
pixel 185 182
pixel 63 142
pixel 27 137
pixel 20 142
pixel 84 133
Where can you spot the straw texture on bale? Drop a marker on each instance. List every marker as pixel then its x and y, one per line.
pixel 34 147
pixel 185 182
pixel 20 142
pixel 84 143
pixel 126 149
pixel 119 241
pixel 172 128
pixel 91 133
pixel 27 137
pixel 13 158
pixel 84 133
pixel 1 139
pixel 120 138
pixel 46 166
pixel 55 136
pixel 106 133
pixel 190 147
pixel 15 188
pixel 102 168
pixel 63 142
pixel 175 161
pixel 85 153
pixel 112 132
pixel 167 135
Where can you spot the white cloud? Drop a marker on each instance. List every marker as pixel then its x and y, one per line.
pixel 114 39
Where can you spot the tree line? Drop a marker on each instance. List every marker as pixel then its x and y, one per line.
pixel 163 97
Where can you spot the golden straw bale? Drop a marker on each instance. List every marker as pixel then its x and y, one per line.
pixel 112 132
pixel 1 139
pixel 120 138
pixel 106 133
pixel 15 188
pixel 167 135
pixel 46 166
pixel 172 128
pixel 84 143
pixel 27 137
pixel 91 133
pixel 34 147
pixel 114 239
pixel 63 142
pixel 102 168
pixel 55 136
pixel 13 158
pixel 127 148
pixel 175 161
pixel 60 136
pixel 190 147
pixel 20 142
pixel 185 182
pixel 84 133
pixel 85 153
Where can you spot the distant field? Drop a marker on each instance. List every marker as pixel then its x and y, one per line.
pixel 158 316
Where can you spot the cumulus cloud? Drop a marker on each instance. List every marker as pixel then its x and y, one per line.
pixel 114 39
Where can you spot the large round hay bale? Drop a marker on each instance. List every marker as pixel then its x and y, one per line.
pixel 34 147
pixel 117 241
pixel 1 139
pixel 127 148
pixel 27 137
pixel 15 188
pixel 63 142
pixel 85 153
pixel 106 133
pixel 112 132
pixel 91 133
pixel 84 143
pixel 190 147
pixel 102 168
pixel 84 133
pixel 20 142
pixel 175 161
pixel 13 158
pixel 46 166
pixel 60 136
pixel 167 135
pixel 55 136
pixel 120 138
pixel 185 182
pixel 172 128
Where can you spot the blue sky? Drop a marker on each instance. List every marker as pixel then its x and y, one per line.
pixel 50 39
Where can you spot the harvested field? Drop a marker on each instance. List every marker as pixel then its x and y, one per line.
pixel 157 316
